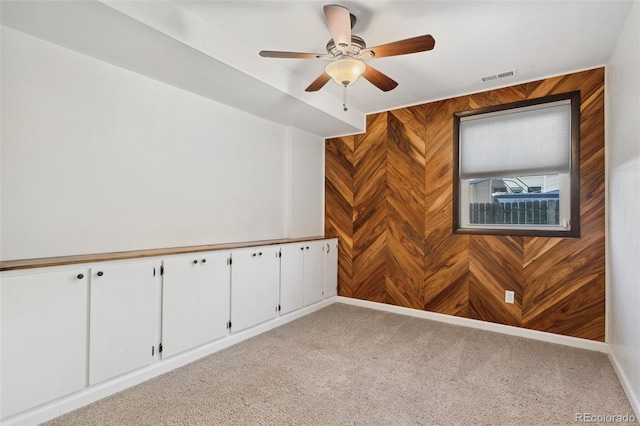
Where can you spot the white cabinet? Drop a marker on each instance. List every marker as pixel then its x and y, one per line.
pixel 313 267
pixel 254 286
pixel 121 319
pixel 308 271
pixel 195 300
pixel 291 277
pixel 330 267
pixel 66 328
pixel 44 337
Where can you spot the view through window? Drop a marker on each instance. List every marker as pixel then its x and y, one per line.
pixel 515 200
pixel 517 168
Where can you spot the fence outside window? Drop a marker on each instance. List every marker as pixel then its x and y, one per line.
pixel 529 212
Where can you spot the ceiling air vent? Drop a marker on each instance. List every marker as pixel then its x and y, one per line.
pixel 497 76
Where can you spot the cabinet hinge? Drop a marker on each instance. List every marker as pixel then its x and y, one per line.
pixel 229 325
pixel 160 348
pixel 162 270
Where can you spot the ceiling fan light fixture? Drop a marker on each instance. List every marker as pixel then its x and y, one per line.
pixel 345 71
pixel 347 53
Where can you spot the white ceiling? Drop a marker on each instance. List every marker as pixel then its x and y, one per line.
pixel 211 48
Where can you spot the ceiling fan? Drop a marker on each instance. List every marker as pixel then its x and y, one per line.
pixel 348 52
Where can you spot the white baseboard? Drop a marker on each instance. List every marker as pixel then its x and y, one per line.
pixel 96 392
pixel 634 399
pixel 483 325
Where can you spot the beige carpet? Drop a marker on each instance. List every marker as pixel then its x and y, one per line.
pixel 346 365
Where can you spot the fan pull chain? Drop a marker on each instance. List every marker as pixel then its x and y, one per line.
pixel 344 98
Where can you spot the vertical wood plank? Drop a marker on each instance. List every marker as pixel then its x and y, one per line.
pixel 338 216
pixel 405 206
pixel 370 216
pixel 446 288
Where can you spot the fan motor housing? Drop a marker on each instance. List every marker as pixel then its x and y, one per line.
pixel 357 44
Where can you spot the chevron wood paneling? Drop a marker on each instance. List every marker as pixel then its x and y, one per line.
pixel 564 279
pixel 488 283
pixel 446 288
pixel 338 218
pixel 370 216
pixel 389 201
pixel 405 206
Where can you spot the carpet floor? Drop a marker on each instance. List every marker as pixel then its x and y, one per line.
pixel 346 365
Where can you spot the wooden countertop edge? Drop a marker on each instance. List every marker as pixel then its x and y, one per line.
pixel 43 262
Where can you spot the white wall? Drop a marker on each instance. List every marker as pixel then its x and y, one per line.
pixel 623 142
pixel 95 158
pixel 307 171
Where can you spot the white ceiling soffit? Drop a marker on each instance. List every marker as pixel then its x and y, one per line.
pixel 474 39
pixel 211 48
pixel 166 42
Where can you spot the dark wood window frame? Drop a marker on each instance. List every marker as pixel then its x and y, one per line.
pixel 574 226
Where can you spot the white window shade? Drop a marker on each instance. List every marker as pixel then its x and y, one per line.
pixel 527 141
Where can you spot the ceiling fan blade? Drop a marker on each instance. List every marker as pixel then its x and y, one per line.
pixel 403 47
pixel 381 81
pixel 291 55
pixel 339 23
pixel 318 83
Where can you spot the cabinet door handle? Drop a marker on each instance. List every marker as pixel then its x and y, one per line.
pixel 307 247
pixel 259 253
pixel 100 273
pixel 204 260
pixel 254 255
pixel 301 248
pixel 328 248
pixel 195 261
pixel 80 276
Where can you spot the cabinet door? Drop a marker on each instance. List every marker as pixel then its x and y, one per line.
pixel 331 267
pixel 121 324
pixel 254 286
pixel 195 300
pixel 291 277
pixel 313 271
pixel 44 337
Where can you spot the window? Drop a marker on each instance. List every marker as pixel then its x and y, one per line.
pixel 516 168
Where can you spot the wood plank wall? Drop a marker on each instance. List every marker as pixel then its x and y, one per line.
pixel 388 198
